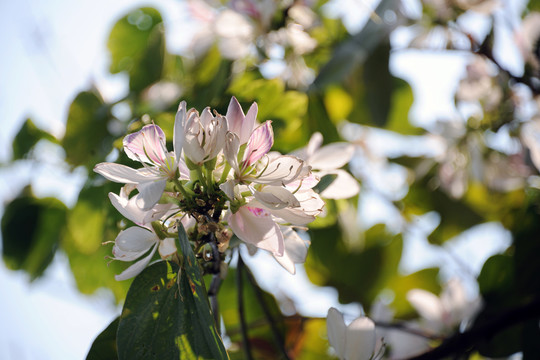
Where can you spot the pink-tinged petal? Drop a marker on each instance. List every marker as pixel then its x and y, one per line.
pixel 280 171
pixel 304 182
pixel 136 268
pixel 167 247
pixel 235 116
pixel 249 123
pixel 259 144
pixel 239 124
pixel 146 145
pixel 360 339
pixel 150 193
pixel 343 187
pixel 124 174
pixel 276 197
pixel 178 135
pixel 331 156
pixel 336 331
pixel 255 225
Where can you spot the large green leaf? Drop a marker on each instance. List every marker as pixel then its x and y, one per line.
pixel 31 231
pixel 167 315
pixel 137 45
pixel 87 139
pixel 92 222
pixel 28 136
pixel 104 346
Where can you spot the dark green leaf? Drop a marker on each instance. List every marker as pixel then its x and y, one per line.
pixel 31 231
pixel 104 346
pixel 28 136
pixel 87 139
pixel 167 315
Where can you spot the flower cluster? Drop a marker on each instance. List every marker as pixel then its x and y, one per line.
pixel 221 178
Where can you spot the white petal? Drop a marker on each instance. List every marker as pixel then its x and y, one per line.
pixel 178 135
pixel 150 193
pixel 249 123
pixel 280 171
pixel 295 246
pixel 428 305
pixel 255 226
pixel 360 339
pixel 336 330
pixel 343 187
pixel 135 239
pixel 124 174
pixel 167 247
pixel 228 188
pixel 331 156
pixel 313 145
pixel 232 146
pixel 136 268
pixel 276 197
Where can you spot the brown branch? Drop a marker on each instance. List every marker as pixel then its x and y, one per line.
pixel 464 342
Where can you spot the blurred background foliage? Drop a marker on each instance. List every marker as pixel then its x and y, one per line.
pixel 339 83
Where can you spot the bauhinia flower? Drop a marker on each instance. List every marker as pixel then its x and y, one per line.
pixel 220 175
pixel 148 146
pixel 357 341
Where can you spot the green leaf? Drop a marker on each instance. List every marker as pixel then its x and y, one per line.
pixel 104 346
pixel 28 136
pixel 92 222
pixel 325 182
pixel 167 315
pixel 31 231
pixel 87 139
pixel 137 45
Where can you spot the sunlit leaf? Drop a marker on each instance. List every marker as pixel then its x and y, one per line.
pixel 87 139
pixel 137 45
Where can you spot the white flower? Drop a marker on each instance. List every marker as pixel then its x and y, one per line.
pixel 328 160
pixel 240 124
pixel 149 147
pixel 357 341
pixel 204 135
pixel 134 242
pixel 442 314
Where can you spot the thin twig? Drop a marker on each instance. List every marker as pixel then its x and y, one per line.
pixel 273 326
pixel 243 326
pixel 401 326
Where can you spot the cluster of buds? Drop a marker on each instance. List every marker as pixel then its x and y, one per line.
pixel 220 179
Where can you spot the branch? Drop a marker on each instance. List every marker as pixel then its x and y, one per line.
pixel 464 342
pixel 243 326
pixel 273 326
pixel 402 326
